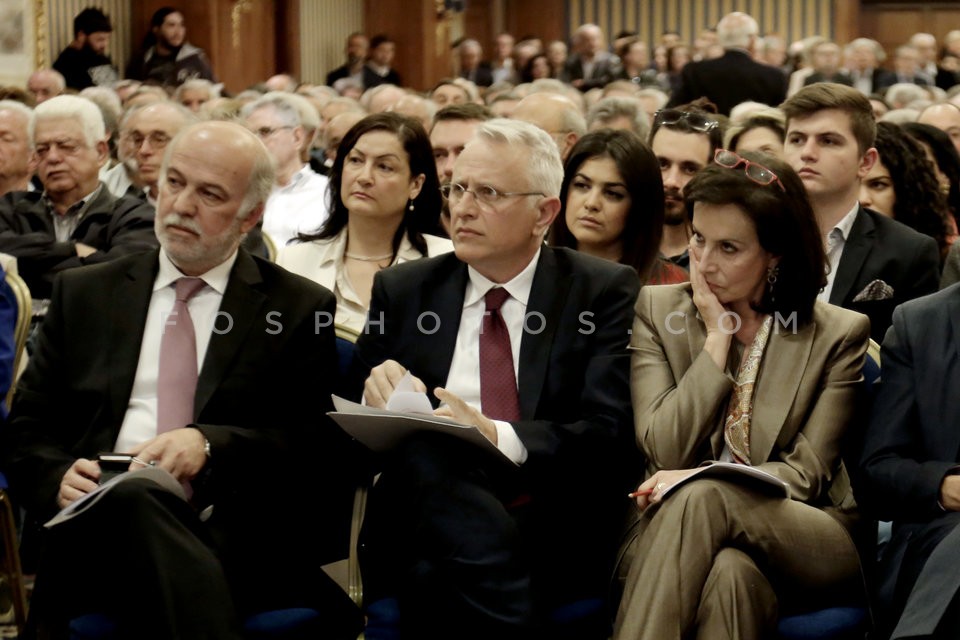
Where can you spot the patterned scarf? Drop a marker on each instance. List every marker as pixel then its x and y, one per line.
pixel 736 429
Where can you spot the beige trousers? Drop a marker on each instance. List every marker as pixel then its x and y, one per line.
pixel 704 564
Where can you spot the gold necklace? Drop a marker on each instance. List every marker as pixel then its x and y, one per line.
pixel 354 256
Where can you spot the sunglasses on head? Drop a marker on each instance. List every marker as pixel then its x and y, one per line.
pixel 696 121
pixel 756 172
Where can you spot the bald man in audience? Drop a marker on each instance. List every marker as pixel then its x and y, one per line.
pixel 558 115
pixel 946 117
pixel 418 108
pixel 75 221
pixel 16 151
pixel 297 202
pixel 44 84
pixel 167 377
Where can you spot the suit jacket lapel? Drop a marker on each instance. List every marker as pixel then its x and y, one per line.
pixel 855 252
pixel 443 294
pixel 241 304
pixel 548 295
pixel 125 333
pixel 781 373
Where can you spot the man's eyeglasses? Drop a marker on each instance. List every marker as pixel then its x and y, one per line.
pixel 266 132
pixel 756 172
pixel 696 121
pixel 158 139
pixel 485 194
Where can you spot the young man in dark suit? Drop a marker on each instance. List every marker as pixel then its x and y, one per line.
pixel 208 364
pixel 472 544
pixel 876 262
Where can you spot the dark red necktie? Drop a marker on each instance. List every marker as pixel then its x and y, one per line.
pixel 498 381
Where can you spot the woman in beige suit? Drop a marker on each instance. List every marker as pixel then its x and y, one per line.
pixel 384 201
pixel 742 365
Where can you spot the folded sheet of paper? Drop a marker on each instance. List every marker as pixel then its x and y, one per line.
pixel 734 472
pixel 407 412
pixel 78 506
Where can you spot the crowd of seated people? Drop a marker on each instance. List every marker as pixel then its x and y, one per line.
pixel 617 262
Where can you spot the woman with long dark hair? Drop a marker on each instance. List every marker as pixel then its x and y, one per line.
pixel 612 204
pixel 384 202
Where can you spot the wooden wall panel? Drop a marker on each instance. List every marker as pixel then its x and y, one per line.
pixel 892 24
pixel 322 32
pixel 239 36
pixel 792 19
pixel 422 36
pixel 542 18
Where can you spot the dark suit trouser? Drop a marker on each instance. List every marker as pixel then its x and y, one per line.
pixel 142 557
pixel 923 542
pixel 448 532
pixel 438 537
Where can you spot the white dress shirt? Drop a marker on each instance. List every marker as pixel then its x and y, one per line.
pixel 298 206
pixel 117 179
pixel 836 240
pixel 140 421
pixel 464 376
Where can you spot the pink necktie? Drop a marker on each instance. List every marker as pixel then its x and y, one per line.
pixel 498 382
pixel 177 380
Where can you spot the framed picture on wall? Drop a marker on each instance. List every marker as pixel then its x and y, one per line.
pixel 18 42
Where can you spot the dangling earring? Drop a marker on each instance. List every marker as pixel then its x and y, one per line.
pixel 410 205
pixel 772 273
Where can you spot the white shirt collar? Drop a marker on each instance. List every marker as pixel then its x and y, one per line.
pixel 518 288
pixel 846 222
pixel 215 278
pixel 297 178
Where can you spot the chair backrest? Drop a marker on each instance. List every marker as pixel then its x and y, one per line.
pixel 270 245
pixel 871 366
pixel 22 327
pixel 346 337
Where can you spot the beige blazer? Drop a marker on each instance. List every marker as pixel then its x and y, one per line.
pixel 322 262
pixel 808 395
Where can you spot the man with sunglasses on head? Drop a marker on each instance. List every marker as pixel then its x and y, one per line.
pixel 528 343
pixel 734 77
pixel 684 141
pixel 875 262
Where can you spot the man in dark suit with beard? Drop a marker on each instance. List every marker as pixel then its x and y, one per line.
pixel 734 77
pixel 527 343
pixel 207 364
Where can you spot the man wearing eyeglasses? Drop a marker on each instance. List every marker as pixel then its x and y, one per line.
pixel 144 136
pixel 684 141
pixel 297 202
pixel 75 220
pixel 527 343
pixel 876 263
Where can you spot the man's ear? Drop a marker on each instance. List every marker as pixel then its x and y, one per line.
pixel 866 162
pixel 252 218
pixel 547 210
pixel 103 152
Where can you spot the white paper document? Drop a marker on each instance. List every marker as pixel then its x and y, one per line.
pixel 735 472
pixel 384 429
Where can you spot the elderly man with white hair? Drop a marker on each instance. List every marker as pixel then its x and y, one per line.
pixel 862 60
pixel 735 76
pixel 296 204
pixel 478 542
pixel 16 151
pixel 75 221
